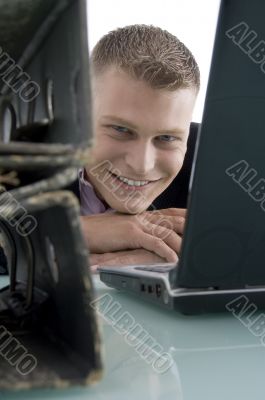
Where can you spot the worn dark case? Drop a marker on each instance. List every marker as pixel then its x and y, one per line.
pixel 48 331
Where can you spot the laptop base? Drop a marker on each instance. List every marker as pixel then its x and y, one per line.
pixel 155 287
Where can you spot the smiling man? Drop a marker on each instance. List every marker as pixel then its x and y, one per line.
pixel 144 86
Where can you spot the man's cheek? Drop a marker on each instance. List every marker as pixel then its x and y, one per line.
pixel 180 156
pixel 175 164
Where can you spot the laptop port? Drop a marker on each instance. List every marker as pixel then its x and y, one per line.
pixel 150 289
pixel 158 290
pixel 142 287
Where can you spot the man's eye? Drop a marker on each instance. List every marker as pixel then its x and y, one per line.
pixel 167 138
pixel 120 129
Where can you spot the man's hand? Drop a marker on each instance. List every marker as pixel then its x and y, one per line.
pixel 158 232
pixel 129 257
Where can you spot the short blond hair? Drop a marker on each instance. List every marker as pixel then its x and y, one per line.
pixel 147 53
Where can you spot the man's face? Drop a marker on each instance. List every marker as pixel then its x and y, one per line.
pixel 140 139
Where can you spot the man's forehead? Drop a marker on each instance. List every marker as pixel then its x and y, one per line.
pixel 133 92
pixel 113 75
pixel 134 104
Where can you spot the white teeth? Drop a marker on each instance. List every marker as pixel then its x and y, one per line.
pixel 130 182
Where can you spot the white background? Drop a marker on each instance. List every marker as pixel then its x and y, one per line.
pixel 192 21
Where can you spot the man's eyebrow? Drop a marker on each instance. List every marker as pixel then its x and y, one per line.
pixel 174 131
pixel 121 121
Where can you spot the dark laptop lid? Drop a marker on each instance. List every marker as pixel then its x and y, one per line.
pixel 224 241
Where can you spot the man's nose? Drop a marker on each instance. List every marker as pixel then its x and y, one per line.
pixel 141 158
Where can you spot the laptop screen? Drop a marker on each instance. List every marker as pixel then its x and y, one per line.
pixel 224 240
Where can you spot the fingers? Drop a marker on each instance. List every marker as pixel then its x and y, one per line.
pixel 157 246
pixel 163 243
pixel 94 259
pixel 181 212
pixel 150 231
pixel 174 223
pixel 171 238
pixel 130 257
pixel 97 260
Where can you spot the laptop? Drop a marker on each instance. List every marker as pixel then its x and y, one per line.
pixel 223 249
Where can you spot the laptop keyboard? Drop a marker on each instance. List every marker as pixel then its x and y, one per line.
pixel 156 268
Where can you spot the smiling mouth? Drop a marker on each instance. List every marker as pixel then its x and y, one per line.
pixel 136 184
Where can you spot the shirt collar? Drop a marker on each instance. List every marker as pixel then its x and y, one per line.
pixel 89 201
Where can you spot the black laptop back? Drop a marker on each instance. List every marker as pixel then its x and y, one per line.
pixel 224 240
